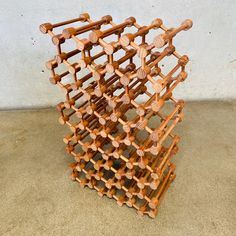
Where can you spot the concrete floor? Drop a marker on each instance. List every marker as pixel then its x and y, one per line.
pixel 38 198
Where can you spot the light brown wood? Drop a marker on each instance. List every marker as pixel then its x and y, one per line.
pixel 120 156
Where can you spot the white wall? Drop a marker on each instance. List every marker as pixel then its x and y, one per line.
pixel 211 44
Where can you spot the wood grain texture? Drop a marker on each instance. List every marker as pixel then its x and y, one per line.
pixel 121 157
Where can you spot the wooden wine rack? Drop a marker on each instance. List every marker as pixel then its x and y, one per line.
pixel 116 89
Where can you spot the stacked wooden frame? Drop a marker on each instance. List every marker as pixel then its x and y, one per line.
pixel 117 80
